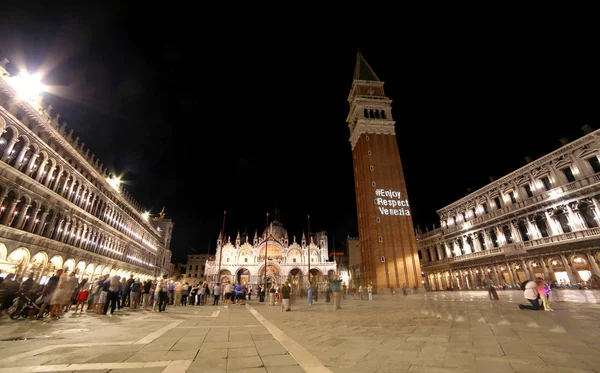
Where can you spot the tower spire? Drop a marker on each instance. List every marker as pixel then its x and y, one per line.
pixel 362 70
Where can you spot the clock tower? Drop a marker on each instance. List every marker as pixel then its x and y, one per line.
pixel 385 229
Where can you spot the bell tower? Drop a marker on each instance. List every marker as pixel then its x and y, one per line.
pixel 385 229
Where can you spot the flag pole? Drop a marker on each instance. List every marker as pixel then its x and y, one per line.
pixel 308 246
pixel 221 248
pixel 266 247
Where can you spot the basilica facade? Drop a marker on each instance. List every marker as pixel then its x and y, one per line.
pixel 59 206
pixel 272 257
pixel 541 220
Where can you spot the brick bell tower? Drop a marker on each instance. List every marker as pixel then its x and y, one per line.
pixel 385 229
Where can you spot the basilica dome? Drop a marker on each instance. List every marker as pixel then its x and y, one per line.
pixel 277 230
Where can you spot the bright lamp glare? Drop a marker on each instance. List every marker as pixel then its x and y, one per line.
pixel 28 86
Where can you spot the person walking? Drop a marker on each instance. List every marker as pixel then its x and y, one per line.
pixel 370 291
pixel 489 285
pixel 309 291
pixel 336 285
pixel 285 297
pixel 272 296
pixel 216 294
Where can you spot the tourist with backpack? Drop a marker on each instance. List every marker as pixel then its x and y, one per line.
pixel 531 294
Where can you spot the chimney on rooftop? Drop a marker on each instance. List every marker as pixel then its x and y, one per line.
pixel 492 179
pixel 564 141
pixel 528 159
pixel 587 129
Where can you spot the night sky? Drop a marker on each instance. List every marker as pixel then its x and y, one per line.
pixel 249 116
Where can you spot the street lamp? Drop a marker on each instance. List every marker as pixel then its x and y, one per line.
pixel 266 248
pixel 28 86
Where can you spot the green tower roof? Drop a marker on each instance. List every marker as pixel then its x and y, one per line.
pixel 362 70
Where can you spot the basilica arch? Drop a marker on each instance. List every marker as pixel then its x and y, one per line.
pixel 242 276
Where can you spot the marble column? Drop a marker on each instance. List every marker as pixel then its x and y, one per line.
pixel 20 156
pixel 39 228
pixel 593 263
pixel 466 246
pixel 511 275
pixel 40 172
pixel 568 269
pixel 9 149
pixel 31 164
pixel 31 221
pixel 551 224
pixel 9 212
pixel 21 217
pixel 547 275
pixel 574 220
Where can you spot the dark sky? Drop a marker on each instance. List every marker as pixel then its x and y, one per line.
pixel 248 115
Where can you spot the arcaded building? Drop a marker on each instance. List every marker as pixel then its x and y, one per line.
pixel 541 220
pixel 246 260
pixel 59 208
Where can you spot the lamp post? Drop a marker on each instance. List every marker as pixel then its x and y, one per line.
pixel 308 246
pixel 266 247
pixel 221 248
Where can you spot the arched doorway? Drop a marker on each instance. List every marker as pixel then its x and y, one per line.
pixel 18 260
pixel 272 275
pixel 225 277
pixel 242 276
pixel 296 278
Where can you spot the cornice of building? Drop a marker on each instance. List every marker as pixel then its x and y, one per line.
pixel 513 175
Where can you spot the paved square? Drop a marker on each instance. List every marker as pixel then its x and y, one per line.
pixel 430 332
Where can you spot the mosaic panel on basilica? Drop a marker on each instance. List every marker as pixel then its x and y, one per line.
pixel 59 207
pixel 541 220
pixel 245 261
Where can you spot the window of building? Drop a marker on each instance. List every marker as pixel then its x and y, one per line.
pixel 195 275
pixel 294 260
pixel 523 230
pixel 190 268
pixel 563 220
pixel 507 234
pixel 463 216
pixel 473 213
pixel 497 202
pixel 481 240
pixel 546 182
pixel 593 161
pixel 420 255
pixel 540 222
pixel 245 260
pixel 203 267
pixel 568 174
pixel 196 267
pixel 371 168
pixel 588 215
pixel 380 238
pixel 494 238
pixel 511 194
pixel 485 207
pixel 528 190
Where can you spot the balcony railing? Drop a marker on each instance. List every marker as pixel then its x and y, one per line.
pixel 544 196
pixel 521 247
pixel 577 235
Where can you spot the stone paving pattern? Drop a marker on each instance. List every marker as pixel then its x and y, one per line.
pixel 430 332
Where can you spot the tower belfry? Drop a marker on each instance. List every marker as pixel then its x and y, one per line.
pixel 385 228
